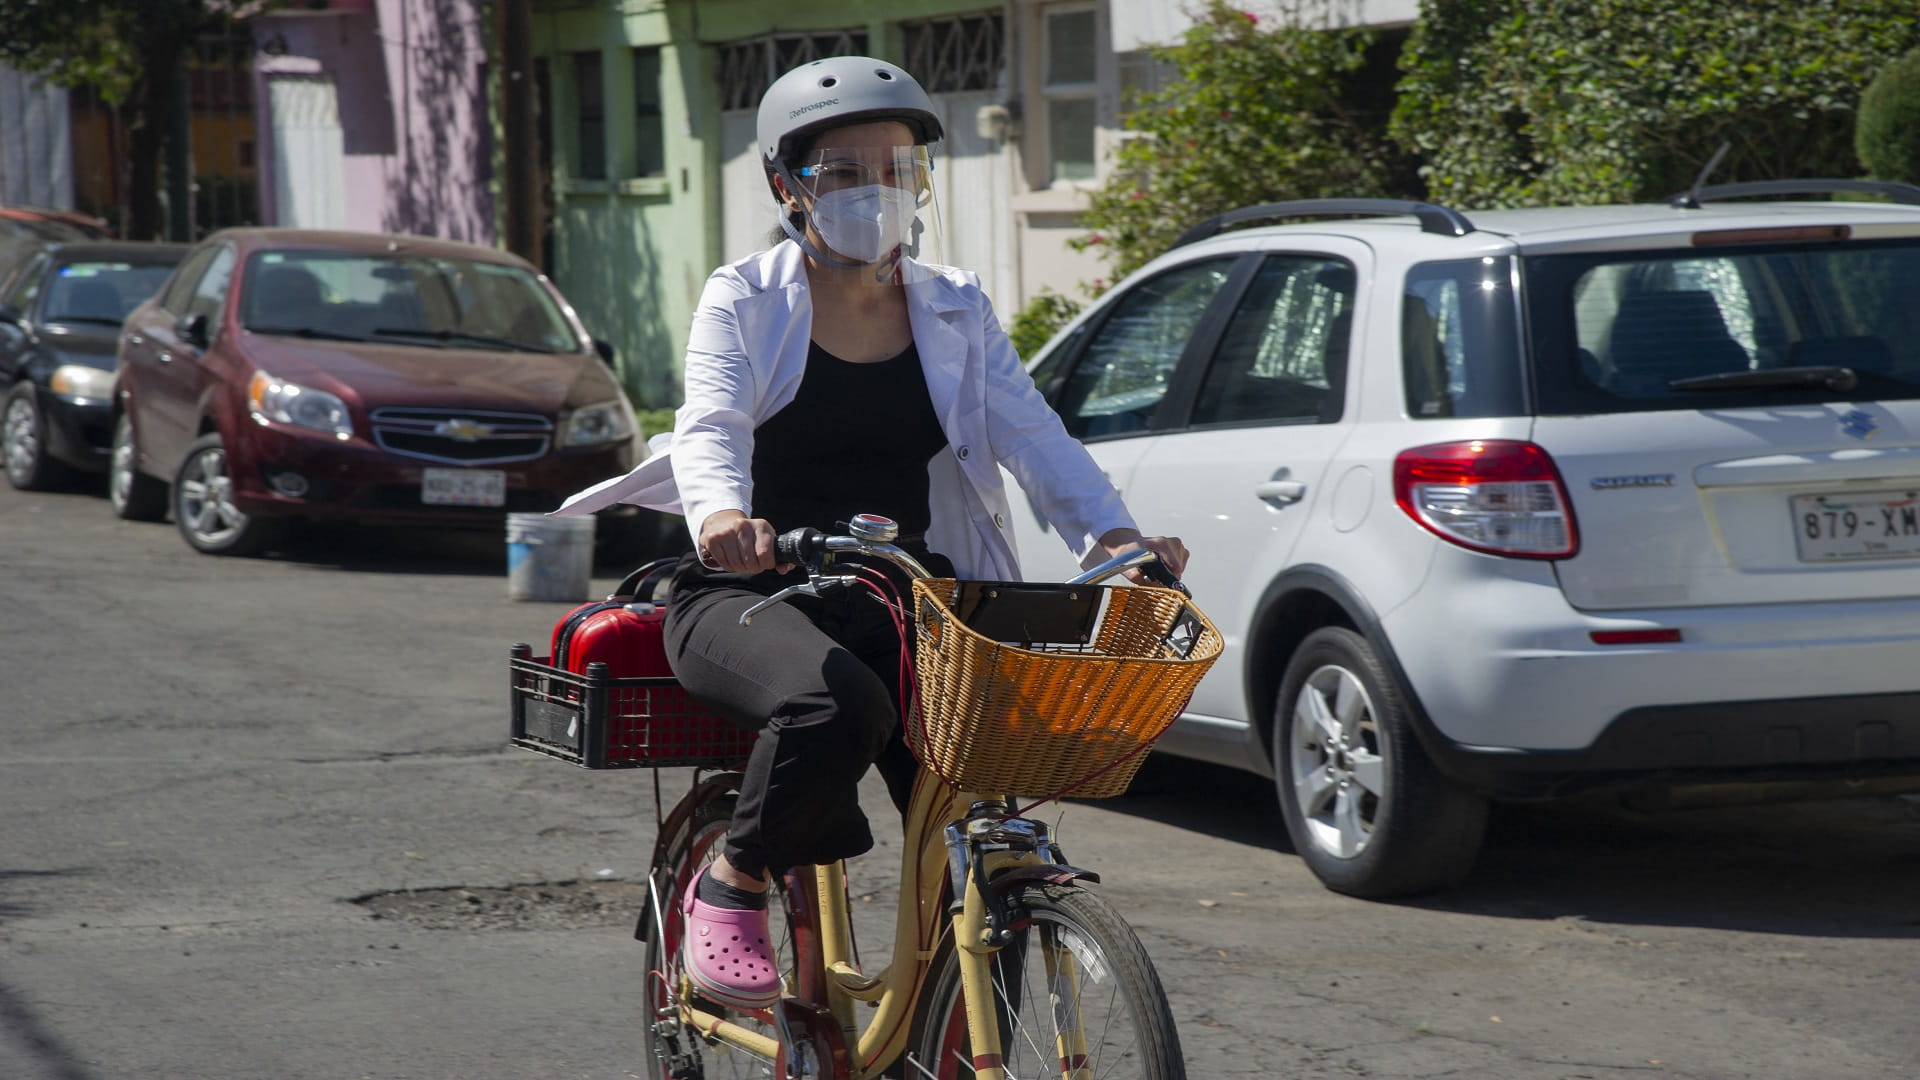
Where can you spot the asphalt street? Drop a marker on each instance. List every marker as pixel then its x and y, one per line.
pixel 260 821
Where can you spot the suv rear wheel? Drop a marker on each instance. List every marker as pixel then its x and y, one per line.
pixel 1365 806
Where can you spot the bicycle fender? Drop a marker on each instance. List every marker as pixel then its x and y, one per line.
pixel 1049 874
pixel 671 833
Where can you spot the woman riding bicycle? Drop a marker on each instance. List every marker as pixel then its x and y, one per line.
pixel 843 371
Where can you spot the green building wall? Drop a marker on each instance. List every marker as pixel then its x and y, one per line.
pixel 632 253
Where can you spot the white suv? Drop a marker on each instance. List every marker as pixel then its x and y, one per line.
pixel 1517 504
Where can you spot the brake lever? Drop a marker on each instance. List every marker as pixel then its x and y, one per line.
pixel 810 587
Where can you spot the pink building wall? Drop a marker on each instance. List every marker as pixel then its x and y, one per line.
pixel 410 76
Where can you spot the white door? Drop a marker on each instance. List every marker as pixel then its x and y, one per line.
pixel 973 185
pixel 747 209
pixel 309 159
pixel 1238 480
pixel 1107 379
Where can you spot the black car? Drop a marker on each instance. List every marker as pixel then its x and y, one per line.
pixel 60 315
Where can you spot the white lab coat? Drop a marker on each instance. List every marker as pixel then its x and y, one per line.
pixel 746 355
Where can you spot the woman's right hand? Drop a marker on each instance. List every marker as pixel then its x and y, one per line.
pixel 736 543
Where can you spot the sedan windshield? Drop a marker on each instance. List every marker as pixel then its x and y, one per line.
pixel 432 302
pixel 100 292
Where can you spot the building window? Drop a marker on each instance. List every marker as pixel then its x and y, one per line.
pixel 649 137
pixel 1141 73
pixel 965 52
pixel 748 67
pixel 590 102
pixel 1068 89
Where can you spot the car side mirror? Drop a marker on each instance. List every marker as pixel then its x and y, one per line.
pixel 11 314
pixel 605 349
pixel 192 329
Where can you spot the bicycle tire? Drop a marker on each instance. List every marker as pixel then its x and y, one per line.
pixel 1122 1006
pixel 675 1052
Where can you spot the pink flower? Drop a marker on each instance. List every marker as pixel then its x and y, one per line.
pixel 1096 238
pixel 1251 17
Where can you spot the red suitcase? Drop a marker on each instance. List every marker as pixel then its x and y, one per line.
pixel 605 698
pixel 622 631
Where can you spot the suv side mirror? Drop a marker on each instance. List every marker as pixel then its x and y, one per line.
pixel 11 314
pixel 192 329
pixel 605 349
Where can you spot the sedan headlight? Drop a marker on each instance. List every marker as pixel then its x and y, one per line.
pixel 82 382
pixel 301 406
pixel 592 425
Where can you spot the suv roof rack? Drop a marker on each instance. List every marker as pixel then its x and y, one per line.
pixel 1895 191
pixel 1433 219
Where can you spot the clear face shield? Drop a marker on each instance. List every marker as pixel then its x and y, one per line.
pixel 870 211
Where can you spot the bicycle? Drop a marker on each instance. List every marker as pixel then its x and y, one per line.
pixel 1003 963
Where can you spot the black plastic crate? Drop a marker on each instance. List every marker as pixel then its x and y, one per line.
pixel 600 722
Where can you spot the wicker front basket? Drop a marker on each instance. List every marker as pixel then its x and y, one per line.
pixel 1045 718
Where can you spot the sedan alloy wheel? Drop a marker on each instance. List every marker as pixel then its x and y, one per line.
pixel 135 495
pixel 203 505
pixel 23 437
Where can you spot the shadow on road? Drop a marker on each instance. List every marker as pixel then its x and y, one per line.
pixel 396 549
pixel 9 908
pixel 1844 868
pixel 22 1032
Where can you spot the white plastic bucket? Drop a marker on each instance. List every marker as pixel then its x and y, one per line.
pixel 549 558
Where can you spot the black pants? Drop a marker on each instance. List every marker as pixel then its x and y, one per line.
pixel 819 679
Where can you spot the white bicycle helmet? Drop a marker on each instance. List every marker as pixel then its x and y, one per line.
pixel 836 91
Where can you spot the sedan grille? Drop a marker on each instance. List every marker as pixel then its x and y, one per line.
pixel 462 436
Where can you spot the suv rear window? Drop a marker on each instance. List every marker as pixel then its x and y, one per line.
pixel 1614 331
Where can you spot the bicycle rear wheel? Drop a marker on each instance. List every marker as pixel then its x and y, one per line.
pixel 676 1051
pixel 1074 995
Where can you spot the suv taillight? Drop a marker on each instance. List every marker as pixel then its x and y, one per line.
pixel 1499 496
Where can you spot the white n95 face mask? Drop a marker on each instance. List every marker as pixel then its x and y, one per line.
pixel 865 223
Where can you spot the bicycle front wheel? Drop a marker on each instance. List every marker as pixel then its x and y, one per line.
pixel 1074 996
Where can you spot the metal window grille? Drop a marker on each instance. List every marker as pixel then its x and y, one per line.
pixel 590 114
pixel 963 52
pixel 748 67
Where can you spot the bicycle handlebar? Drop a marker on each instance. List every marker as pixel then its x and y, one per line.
pixel 810 548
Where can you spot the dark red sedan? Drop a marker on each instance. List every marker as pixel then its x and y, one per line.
pixel 285 373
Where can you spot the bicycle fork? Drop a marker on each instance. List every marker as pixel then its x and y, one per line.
pixel 989 859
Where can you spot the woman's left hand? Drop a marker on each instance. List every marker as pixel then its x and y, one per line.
pixel 1171 551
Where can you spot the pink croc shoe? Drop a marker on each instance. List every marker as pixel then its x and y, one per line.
pixel 727 954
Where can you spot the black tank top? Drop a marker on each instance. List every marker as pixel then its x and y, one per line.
pixel 855 439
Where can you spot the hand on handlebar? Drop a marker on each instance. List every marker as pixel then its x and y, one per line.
pixel 734 542
pixel 1172 555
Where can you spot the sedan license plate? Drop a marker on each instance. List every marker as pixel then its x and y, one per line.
pixel 1862 525
pixel 463 487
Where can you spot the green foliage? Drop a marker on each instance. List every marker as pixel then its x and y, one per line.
pixel 97 43
pixel 1529 102
pixel 1887 136
pixel 654 421
pixel 72 43
pixel 1036 323
pixel 1258 111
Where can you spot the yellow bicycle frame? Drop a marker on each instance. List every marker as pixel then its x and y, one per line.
pixel 894 991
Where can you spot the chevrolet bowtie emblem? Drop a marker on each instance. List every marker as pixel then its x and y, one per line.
pixel 463 430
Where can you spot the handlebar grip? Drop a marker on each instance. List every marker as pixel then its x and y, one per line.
pixel 797 545
pixel 1160 574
